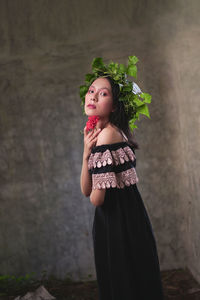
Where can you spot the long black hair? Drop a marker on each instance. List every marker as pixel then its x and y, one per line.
pixel 119 117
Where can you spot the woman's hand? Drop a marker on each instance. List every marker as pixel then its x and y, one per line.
pixel 90 140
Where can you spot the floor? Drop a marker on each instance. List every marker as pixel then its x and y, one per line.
pixel 178 285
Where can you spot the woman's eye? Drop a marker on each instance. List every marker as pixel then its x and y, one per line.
pixel 90 91
pixel 103 94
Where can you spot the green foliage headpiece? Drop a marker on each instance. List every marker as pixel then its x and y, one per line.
pixel 135 101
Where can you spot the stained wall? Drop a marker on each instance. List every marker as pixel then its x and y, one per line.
pixel 46 47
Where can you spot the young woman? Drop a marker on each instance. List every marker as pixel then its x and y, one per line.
pixel 126 259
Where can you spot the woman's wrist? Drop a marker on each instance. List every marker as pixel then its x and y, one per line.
pixel 85 157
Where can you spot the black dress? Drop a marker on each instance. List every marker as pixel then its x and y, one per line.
pixel 126 259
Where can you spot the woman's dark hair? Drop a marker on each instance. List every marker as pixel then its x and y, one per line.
pixel 119 117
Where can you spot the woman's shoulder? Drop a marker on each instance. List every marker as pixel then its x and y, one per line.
pixel 109 135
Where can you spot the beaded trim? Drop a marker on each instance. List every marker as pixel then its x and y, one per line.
pixel 111 157
pixel 111 179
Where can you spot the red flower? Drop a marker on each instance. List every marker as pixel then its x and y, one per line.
pixel 91 123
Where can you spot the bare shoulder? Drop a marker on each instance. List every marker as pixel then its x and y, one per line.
pixel 109 135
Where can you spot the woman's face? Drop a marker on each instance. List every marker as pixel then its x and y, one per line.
pixel 99 100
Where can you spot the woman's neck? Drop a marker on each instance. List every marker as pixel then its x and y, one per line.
pixel 102 124
pixel 106 123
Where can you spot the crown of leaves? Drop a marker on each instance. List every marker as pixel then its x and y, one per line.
pixel 135 101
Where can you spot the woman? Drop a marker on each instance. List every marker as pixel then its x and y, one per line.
pixel 126 260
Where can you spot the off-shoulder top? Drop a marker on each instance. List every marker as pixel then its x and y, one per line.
pixel 112 165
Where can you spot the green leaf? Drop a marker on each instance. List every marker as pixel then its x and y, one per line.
pixel 83 90
pixel 132 120
pixel 116 77
pixel 89 77
pixel 132 71
pixel 113 67
pixel 133 59
pixel 137 115
pixel 127 88
pixel 146 97
pixel 138 102
pixel 97 63
pixel 122 68
pixel 144 110
pixel 132 125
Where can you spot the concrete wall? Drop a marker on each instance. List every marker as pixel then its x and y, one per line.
pixel 46 47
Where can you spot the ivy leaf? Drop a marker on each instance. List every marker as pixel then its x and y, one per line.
pixel 116 77
pixel 97 63
pixel 89 77
pixel 146 97
pixel 113 67
pixel 144 110
pixel 122 68
pixel 133 59
pixel 138 102
pixel 83 90
pixel 132 71
pixel 127 88
pixel 137 115
pixel 132 125
pixel 133 120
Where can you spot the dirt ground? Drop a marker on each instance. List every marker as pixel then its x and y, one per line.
pixel 178 285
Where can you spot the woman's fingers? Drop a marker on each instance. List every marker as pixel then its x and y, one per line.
pixel 91 137
pixel 94 137
pixel 87 133
pixel 93 132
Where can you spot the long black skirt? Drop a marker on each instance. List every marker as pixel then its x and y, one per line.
pixel 126 259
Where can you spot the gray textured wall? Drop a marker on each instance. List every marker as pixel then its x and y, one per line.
pixel 46 47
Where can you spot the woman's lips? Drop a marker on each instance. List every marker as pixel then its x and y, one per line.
pixel 91 106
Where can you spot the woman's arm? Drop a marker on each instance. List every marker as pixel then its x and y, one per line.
pixel 86 178
pixel 107 136
pixel 97 197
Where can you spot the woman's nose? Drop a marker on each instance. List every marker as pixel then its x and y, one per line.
pixel 93 97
